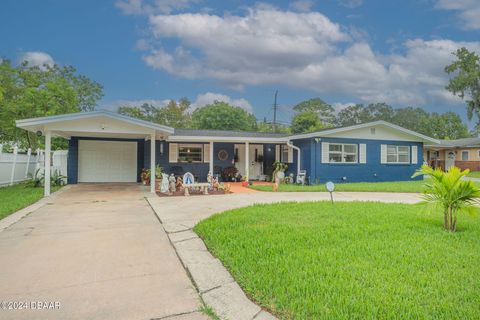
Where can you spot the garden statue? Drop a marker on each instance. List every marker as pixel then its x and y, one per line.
pixel 188 178
pixel 179 184
pixel 215 184
pixel 171 182
pixel 210 179
pixel 164 185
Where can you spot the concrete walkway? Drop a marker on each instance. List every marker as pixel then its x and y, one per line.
pixel 99 251
pixel 216 286
pixel 184 213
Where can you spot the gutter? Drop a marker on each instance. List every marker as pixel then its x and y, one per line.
pixel 290 144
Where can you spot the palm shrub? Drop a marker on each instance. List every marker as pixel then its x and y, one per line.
pixel 448 192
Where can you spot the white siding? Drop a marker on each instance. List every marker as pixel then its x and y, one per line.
pixel 325 146
pixel 363 153
pixel 414 155
pixel 383 153
pixel 173 153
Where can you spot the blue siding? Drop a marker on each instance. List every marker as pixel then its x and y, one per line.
pixel 199 170
pixel 72 162
pixel 372 171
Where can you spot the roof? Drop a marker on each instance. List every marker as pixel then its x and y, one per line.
pixel 465 142
pixel 226 133
pixel 35 122
pixel 330 131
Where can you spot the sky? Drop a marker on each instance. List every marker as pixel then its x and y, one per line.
pixel 241 52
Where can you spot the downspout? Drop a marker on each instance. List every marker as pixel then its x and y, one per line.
pixel 290 144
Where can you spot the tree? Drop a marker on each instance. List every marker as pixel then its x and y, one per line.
pixel 30 91
pixel 306 121
pixel 358 113
pixel 222 116
pixel 174 114
pixel 448 192
pixel 415 119
pixel 325 113
pixel 448 126
pixel 466 83
pixel 350 116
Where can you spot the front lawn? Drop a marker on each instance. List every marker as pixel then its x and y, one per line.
pixel 397 186
pixel 474 174
pixel 17 197
pixel 357 260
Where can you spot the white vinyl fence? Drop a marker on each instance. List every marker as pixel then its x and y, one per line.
pixel 19 166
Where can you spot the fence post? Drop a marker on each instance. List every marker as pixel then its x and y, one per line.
pixel 29 153
pixel 12 176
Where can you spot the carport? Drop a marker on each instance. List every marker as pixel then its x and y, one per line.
pixel 105 143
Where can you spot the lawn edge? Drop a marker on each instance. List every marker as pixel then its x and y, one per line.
pixel 21 213
pixel 365 191
pixel 223 295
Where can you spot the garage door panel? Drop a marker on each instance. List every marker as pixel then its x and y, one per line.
pixel 107 161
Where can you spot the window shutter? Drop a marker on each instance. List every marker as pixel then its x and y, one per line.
pixel 206 152
pixel 173 152
pixel 363 153
pixel 277 153
pixel 290 155
pixel 414 155
pixel 325 158
pixel 383 153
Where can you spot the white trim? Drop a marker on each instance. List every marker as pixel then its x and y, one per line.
pixel 24 123
pixel 342 153
pixel 277 153
pixel 152 163
pixel 227 139
pixel 363 125
pixel 47 174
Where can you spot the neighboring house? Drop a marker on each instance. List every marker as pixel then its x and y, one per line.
pixel 462 153
pixel 109 147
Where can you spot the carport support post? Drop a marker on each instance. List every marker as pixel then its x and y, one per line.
pixel 211 158
pixel 247 161
pixel 46 175
pixel 152 163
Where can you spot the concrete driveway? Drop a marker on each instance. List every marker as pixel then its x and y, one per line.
pixel 101 253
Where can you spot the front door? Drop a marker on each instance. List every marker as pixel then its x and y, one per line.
pixel 450 160
pixel 255 154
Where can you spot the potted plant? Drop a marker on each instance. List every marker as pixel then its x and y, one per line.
pixel 279 169
pixel 229 173
pixel 145 176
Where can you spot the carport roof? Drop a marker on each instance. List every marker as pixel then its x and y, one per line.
pixel 93 124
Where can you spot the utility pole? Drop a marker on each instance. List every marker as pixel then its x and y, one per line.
pixel 275 112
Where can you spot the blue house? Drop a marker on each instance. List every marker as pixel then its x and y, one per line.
pixel 109 147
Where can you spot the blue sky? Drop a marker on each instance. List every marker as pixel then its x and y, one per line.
pixel 344 51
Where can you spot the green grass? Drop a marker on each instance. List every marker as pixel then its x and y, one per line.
pixel 17 197
pixel 398 186
pixel 357 260
pixel 474 174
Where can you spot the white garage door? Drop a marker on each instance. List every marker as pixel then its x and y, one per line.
pixel 107 161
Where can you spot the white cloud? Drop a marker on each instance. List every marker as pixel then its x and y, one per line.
pixel 145 7
pixel 468 11
pixel 210 97
pixel 114 105
pixel 301 5
pixel 350 3
pixel 37 58
pixel 268 46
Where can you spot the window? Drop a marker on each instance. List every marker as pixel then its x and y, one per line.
pixel 434 155
pixel 342 153
pixel 464 155
pixel 190 153
pixel 398 154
